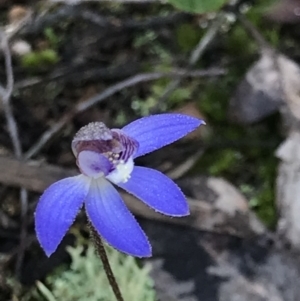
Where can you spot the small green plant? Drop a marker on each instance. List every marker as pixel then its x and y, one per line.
pixel 42 59
pixel 228 159
pixel 143 107
pixel 86 279
pixel 51 37
pixel 187 36
pixel 145 39
pixel 39 60
pixel 198 6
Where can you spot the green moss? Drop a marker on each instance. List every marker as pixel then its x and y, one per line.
pixel 144 39
pixel 239 43
pixel 187 36
pixel 39 60
pixel 261 200
pixel 214 100
pixel 227 160
pixel 52 37
pixel 144 107
pixel 241 154
pixel 270 31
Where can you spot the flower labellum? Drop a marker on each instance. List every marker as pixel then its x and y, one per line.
pixel 104 157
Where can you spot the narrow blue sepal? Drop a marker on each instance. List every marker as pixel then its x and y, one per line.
pixel 57 209
pixel 157 191
pixel 156 131
pixel 113 221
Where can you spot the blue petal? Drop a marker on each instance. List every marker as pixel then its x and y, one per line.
pixel 113 221
pixel 157 191
pixel 156 131
pixel 93 164
pixel 57 209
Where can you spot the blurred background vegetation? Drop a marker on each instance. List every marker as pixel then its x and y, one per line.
pixel 66 52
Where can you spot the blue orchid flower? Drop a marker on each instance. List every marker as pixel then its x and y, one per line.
pixel 106 156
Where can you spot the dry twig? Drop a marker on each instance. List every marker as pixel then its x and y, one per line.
pixel 83 106
pixel 108 74
pixel 5 94
pixel 37 177
pixel 107 24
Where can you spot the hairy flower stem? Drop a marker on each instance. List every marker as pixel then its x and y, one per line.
pixel 103 256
